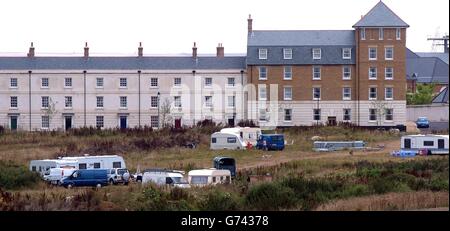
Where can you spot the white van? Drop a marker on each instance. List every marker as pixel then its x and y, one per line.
pixel 165 177
pixel 54 175
pixel 43 166
pixel 221 140
pixel 210 176
pixel 248 134
pixel 434 144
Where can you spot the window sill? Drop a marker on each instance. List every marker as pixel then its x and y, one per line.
pixel 67 87
pixel 13 87
pixel 287 78
pixel 285 99
pixel 347 99
pixel 388 59
pixel 316 99
pixel 372 59
pixel 390 99
pixel 13 108
pixel 317 79
pixel 154 87
pixel 389 121
pixel 346 58
pixel 346 79
pixel 372 121
pixel 372 79
pixel 262 79
pixel 123 108
pixel 98 87
pixel 44 87
pixel 371 99
pixel 123 87
pixel 389 79
pixel 287 121
pixel 99 108
pixel 67 108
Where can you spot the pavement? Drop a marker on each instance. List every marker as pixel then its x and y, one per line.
pixel 435 126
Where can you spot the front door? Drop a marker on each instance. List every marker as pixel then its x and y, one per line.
pixel 407 143
pixel 68 122
pixel 231 122
pixel 123 122
pixel 178 123
pixel 332 120
pixel 13 123
pixel 441 144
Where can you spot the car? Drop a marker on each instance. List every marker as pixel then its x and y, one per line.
pixel 86 177
pixel 422 122
pixel 270 142
pixel 118 176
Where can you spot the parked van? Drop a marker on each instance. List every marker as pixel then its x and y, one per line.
pixel 270 142
pixel 54 175
pixel 433 144
pixel 222 162
pixel 118 176
pixel 212 176
pixel 86 177
pixel 165 177
pixel 248 134
pixel 327 146
pixel 221 140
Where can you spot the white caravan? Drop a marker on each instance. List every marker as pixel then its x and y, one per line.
pixel 434 144
pixel 212 176
pixel 165 177
pixel 43 166
pixel 221 140
pixel 248 134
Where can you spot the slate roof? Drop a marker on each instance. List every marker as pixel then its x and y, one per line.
pixel 121 63
pixel 442 97
pixel 427 70
pixel 381 16
pixel 442 56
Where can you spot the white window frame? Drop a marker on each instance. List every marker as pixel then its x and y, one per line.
pixel 99 101
pixel 262 89
pixel 154 82
pixel 380 33
pixel 177 101
pixel 344 97
pixel 47 82
pixel 99 82
pixel 208 101
pixel 99 121
pixel 375 115
pixel 13 100
pixel 349 114
pixel 123 82
pixel 231 82
pixel 391 114
pixel 386 93
pixel 208 82
pixel 262 53
pixel 385 53
pixel 376 93
pixel 287 75
pixel 349 51
pixel 376 53
pixel 317 53
pixel 45 122
pixel 285 114
pixel 386 73
pixel 45 100
pixel 260 73
pixel 317 114
pixel 153 101
pixel 398 33
pixel 285 95
pixel 349 73
pixel 68 103
pixel 13 81
pixel 262 115
pixel 314 71
pixel 68 82
pixel 154 120
pixel 123 102
pixel 363 33
pixel 177 82
pixel 231 101
pixel 314 95
pixel 287 53
pixel 375 72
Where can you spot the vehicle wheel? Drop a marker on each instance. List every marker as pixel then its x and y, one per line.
pixel 99 185
pixel 111 182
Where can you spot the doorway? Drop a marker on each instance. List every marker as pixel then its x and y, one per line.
pixel 332 121
pixel 441 144
pixel 178 123
pixel 407 143
pixel 13 123
pixel 68 122
pixel 231 122
pixel 123 122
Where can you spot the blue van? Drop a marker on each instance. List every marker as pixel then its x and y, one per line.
pixel 86 177
pixel 270 142
pixel 222 162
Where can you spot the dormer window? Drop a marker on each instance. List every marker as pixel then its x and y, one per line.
pixel 347 53
pixel 317 53
pixel 262 53
pixel 287 53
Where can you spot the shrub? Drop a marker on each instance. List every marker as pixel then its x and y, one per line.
pixel 13 176
pixel 270 196
pixel 217 200
pixel 152 198
pixel 246 123
pixel 354 190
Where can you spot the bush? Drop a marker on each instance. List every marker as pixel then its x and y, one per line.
pixel 13 176
pixel 218 200
pixel 246 123
pixel 354 190
pixel 270 196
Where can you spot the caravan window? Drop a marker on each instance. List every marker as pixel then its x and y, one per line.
pixel 214 179
pixel 117 164
pixel 428 143
pixel 213 140
pixel 82 166
pixel 33 168
pixel 40 169
pixel 96 165
pixel 231 140
pixel 199 179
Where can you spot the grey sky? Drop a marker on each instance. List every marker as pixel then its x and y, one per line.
pixel 171 26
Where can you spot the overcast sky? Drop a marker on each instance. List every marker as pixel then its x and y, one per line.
pixel 171 26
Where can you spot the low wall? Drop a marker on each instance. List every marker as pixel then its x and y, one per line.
pixel 434 112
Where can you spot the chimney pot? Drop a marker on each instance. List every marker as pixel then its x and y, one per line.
pixel 194 51
pixel 220 51
pixel 31 51
pixel 250 24
pixel 140 50
pixel 86 51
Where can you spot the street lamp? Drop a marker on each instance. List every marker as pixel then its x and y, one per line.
pixel 159 119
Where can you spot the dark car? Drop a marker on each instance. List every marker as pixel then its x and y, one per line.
pixel 422 122
pixel 270 142
pixel 86 177
pixel 222 162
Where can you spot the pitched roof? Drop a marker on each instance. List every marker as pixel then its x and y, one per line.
pixel 442 97
pixel 442 56
pixel 411 54
pixel 301 38
pixel 427 70
pixel 121 63
pixel 381 16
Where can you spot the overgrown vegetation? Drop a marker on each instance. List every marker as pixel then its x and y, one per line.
pixel 423 95
pixel 14 176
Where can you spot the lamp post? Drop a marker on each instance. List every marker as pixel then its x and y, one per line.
pixel 159 119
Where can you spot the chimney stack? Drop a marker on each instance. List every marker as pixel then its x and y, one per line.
pixel 31 51
pixel 86 51
pixel 220 51
pixel 140 50
pixel 250 24
pixel 194 51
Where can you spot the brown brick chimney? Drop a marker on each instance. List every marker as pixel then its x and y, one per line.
pixel 140 50
pixel 250 24
pixel 31 51
pixel 194 51
pixel 86 51
pixel 220 51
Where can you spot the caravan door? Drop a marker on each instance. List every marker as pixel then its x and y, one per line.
pixel 407 143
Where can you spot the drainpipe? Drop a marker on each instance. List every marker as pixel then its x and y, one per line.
pixel 84 75
pixel 29 96
pixel 139 98
pixel 242 95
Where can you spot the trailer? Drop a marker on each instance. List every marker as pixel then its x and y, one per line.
pixel 221 140
pixel 328 146
pixel 432 144
pixel 212 176
pixel 43 166
pixel 248 134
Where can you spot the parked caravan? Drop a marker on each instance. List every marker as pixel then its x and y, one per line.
pixel 54 175
pixel 165 177
pixel 43 166
pixel 248 134
pixel 86 177
pixel 433 144
pixel 271 142
pixel 328 146
pixel 103 161
pixel 212 176
pixel 222 162
pixel 220 140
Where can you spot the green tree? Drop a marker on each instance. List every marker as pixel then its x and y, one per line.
pixel 423 95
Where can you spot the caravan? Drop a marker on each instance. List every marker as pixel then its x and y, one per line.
pixel 248 134
pixel 433 144
pixel 212 176
pixel 221 140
